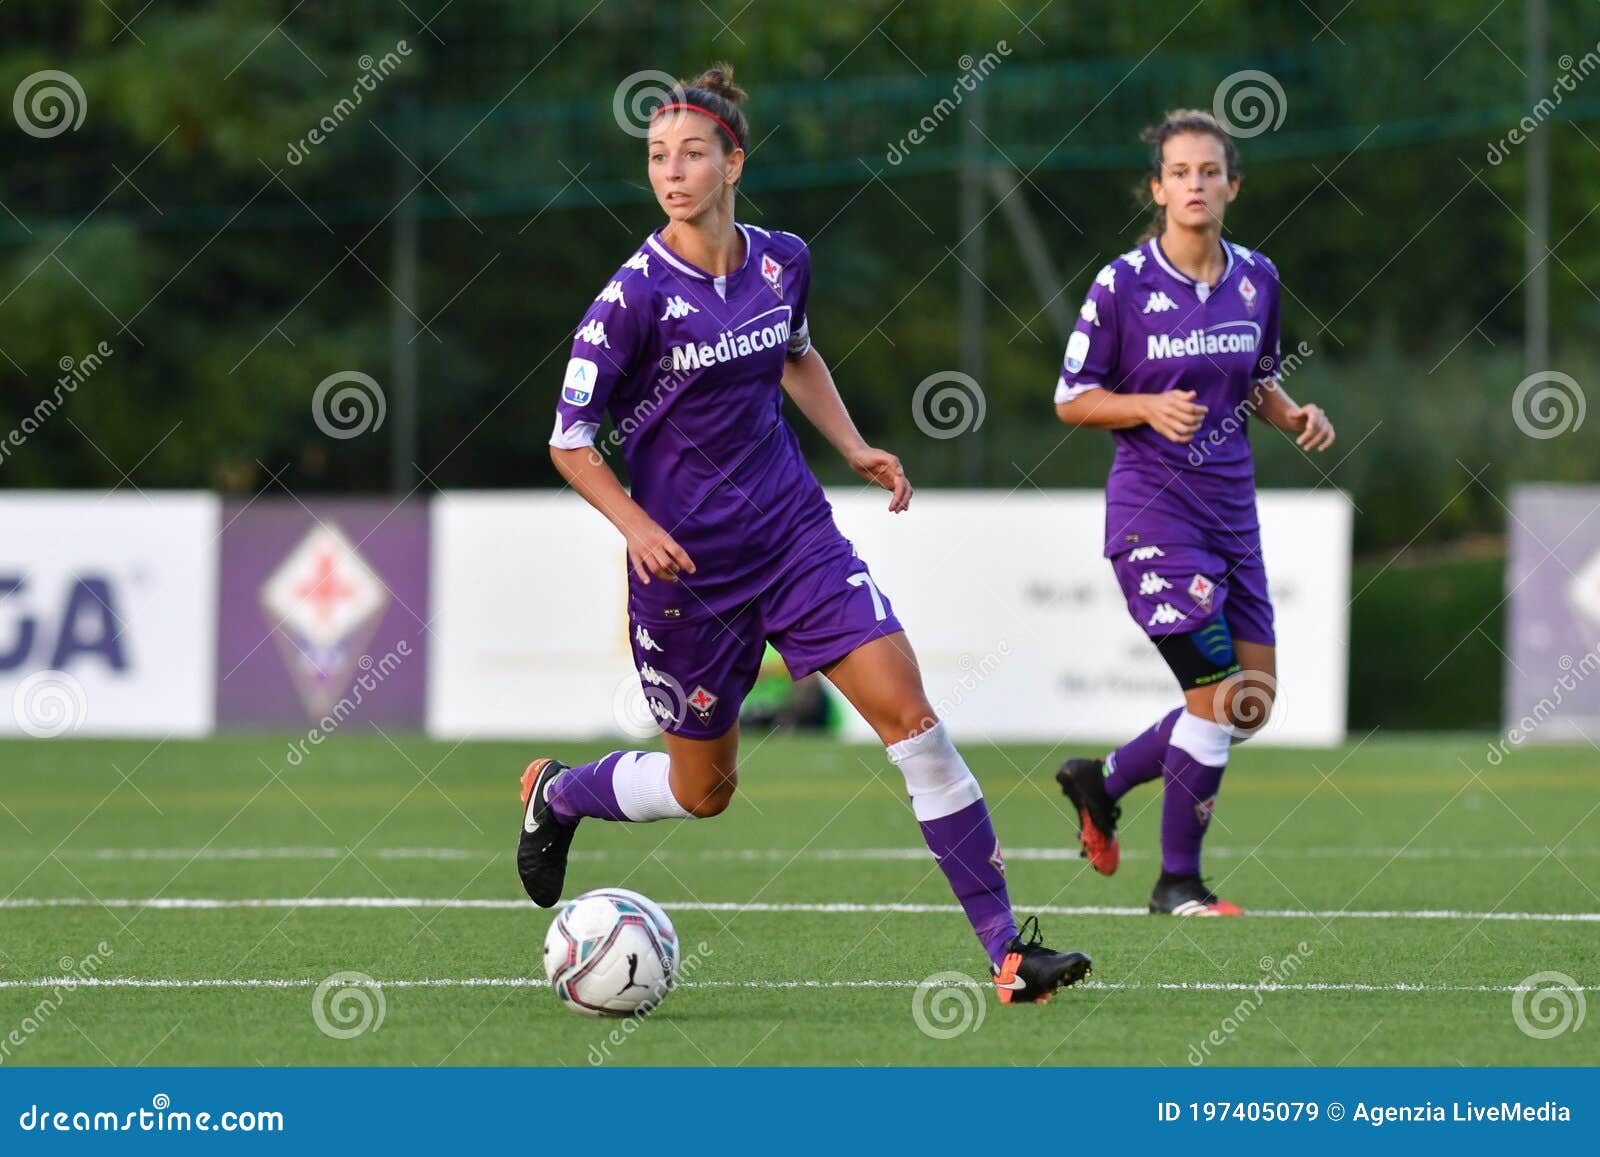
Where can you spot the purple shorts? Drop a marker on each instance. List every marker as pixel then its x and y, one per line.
pixel 695 675
pixel 1174 589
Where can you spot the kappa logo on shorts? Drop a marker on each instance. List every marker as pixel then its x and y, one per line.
pixel 1200 589
pixel 1203 810
pixel 1145 553
pixel 1150 583
pixel 1165 613
pixel 646 643
pixel 703 702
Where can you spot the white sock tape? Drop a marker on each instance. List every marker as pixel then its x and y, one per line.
pixel 1204 739
pixel 937 778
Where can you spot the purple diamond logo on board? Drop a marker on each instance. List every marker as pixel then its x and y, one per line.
pixel 323 602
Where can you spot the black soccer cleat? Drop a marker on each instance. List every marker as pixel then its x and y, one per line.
pixel 1031 973
pixel 542 848
pixel 1083 783
pixel 1188 896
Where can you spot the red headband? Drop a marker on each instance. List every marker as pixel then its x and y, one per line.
pixel 732 136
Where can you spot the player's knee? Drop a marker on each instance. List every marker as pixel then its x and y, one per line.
pixel 1249 707
pixel 907 719
pixel 710 795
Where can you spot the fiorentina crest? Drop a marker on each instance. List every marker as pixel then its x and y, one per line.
pixel 1203 810
pixel 323 603
pixel 773 272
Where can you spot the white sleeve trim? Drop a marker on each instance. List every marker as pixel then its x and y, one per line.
pixel 575 437
pixel 1065 393
pixel 800 341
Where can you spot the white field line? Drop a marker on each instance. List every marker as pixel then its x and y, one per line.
pixel 173 903
pixel 766 855
pixel 73 982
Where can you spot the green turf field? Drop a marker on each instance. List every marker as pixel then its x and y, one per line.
pixel 1388 828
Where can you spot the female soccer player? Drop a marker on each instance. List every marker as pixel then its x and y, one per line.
pixel 1176 345
pixel 689 349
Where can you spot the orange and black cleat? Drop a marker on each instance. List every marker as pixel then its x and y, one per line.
pixel 1188 896
pixel 1083 783
pixel 1030 973
pixel 543 845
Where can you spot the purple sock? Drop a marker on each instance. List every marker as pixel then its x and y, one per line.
pixel 588 790
pixel 1191 793
pixel 967 850
pixel 1139 760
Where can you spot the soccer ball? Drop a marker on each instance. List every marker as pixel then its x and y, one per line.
pixel 611 952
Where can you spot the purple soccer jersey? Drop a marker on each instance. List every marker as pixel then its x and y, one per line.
pixel 1145 328
pixel 689 368
pixel 1181 521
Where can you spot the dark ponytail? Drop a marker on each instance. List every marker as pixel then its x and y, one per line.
pixel 1182 120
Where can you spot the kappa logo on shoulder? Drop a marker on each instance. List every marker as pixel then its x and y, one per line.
pixel 1159 302
pixel 1090 312
pixel 677 307
pixel 639 261
pixel 1107 277
pixel 594 333
pixel 612 294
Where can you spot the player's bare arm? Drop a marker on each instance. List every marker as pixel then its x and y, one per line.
pixel 808 381
pixel 1175 415
pixel 1309 422
pixel 651 550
